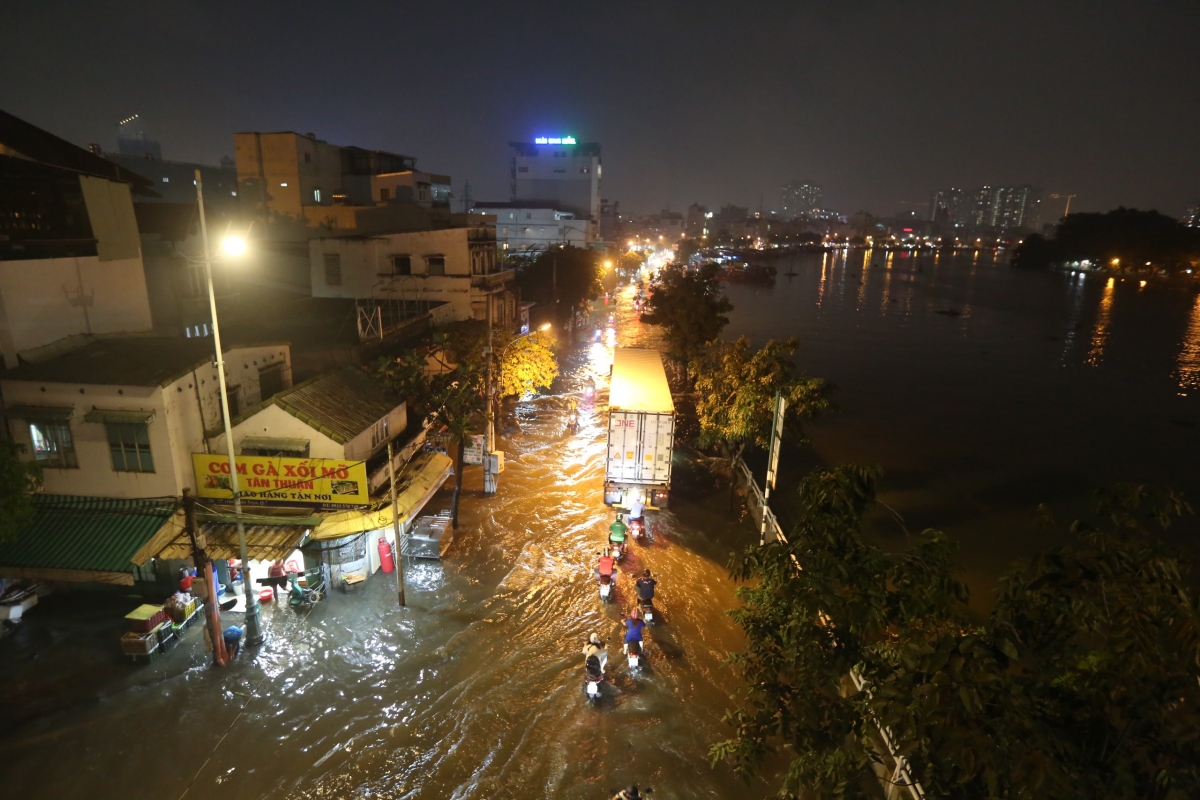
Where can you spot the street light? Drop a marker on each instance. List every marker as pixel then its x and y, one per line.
pixel 232 246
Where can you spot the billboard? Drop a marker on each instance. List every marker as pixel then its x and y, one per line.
pixel 274 480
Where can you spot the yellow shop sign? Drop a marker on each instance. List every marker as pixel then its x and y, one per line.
pixel 273 480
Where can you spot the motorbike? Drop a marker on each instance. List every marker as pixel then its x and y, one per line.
pixel 593 669
pixel 648 612
pixel 605 575
pixel 634 651
pixel 597 334
pixel 617 550
pixel 637 529
pixel 312 592
pixel 589 390
pixel 573 421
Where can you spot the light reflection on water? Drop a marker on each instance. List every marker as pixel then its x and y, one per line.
pixel 1189 354
pixel 1100 332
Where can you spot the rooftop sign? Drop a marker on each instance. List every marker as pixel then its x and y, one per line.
pixel 555 140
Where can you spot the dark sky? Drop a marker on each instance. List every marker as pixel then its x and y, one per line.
pixel 879 102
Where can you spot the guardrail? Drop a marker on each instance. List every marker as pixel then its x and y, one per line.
pixel 896 777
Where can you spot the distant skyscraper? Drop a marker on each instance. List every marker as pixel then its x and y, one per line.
pixel 800 197
pixel 1005 207
pixel 949 205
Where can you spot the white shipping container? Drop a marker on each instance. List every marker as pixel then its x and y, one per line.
pixel 641 422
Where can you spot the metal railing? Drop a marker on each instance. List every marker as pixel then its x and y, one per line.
pixel 896 777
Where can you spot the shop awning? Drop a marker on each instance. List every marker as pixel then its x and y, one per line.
pixel 415 484
pixel 267 538
pixel 45 413
pixel 275 445
pixel 88 539
pixel 115 415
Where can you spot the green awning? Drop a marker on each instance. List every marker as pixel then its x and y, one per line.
pixel 275 445
pixel 46 413
pixel 105 415
pixel 83 538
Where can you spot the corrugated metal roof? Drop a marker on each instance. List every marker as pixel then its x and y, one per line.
pixel 342 404
pixel 639 382
pixel 85 533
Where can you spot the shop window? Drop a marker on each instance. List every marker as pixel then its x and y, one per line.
pixel 333 269
pixel 52 444
pixel 129 445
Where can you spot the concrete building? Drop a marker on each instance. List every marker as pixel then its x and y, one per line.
pixel 1005 207
pixel 611 222
pixel 456 266
pixel 695 225
pixel 121 417
pixel 175 181
pixel 560 173
pixel 800 197
pixel 527 228
pixel 298 186
pixel 70 255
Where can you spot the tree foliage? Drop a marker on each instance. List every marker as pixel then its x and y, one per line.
pixel 736 387
pixel 1132 237
pixel 19 480
pixel 1081 683
pixel 578 273
pixel 692 308
pixel 527 364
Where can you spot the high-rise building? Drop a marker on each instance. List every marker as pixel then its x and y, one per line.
pixel 800 197
pixel 696 225
pixel 560 172
pixel 1005 207
pixel 1191 218
pixel 949 205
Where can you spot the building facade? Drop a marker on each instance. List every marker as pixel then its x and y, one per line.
pixel 529 229
pixel 800 197
pixel 558 172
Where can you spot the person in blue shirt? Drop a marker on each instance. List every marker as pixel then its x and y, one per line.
pixel 634 624
pixel 233 640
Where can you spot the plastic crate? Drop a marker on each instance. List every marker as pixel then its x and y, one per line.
pixel 163 632
pixel 139 644
pixel 146 618
pixel 146 658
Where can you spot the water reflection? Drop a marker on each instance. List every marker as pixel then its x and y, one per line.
pixel 1100 332
pixel 1189 356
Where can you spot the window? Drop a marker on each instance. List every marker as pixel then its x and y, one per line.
pixel 379 433
pixel 560 154
pixel 584 170
pixel 307 157
pixel 233 395
pixel 270 380
pixel 316 195
pixel 166 180
pixel 402 265
pixel 52 444
pixel 528 215
pixel 560 170
pixel 129 445
pixel 522 169
pixel 435 265
pixel 333 269
pixel 284 185
pixel 384 195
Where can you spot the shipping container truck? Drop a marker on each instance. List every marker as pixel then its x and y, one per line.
pixel 641 430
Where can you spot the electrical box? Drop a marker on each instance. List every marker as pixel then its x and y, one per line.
pixel 496 461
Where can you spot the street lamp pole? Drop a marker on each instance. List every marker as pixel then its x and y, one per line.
pixel 489 478
pixel 253 611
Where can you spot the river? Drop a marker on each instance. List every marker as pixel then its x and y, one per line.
pixel 982 390
pixel 473 691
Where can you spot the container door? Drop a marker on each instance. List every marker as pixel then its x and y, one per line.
pixel 658 447
pixel 622 446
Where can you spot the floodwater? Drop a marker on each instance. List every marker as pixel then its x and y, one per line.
pixel 473 691
pixel 983 390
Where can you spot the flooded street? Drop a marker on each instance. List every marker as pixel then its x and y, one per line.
pixel 473 691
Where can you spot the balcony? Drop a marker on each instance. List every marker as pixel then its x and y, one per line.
pixel 493 280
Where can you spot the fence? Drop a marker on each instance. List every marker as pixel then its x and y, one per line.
pixel 892 769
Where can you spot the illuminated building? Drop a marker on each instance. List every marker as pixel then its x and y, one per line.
pixel 559 172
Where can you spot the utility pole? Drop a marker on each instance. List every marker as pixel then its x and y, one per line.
pixel 212 606
pixel 399 554
pixel 772 463
pixel 254 634
pixel 489 478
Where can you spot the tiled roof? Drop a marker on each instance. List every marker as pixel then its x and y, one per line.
pixel 85 533
pixel 342 404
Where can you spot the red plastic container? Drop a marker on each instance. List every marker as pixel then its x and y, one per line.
pixel 386 562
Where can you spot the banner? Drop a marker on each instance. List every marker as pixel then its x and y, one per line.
pixel 473 453
pixel 273 480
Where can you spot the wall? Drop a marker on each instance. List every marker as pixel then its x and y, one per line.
pixel 40 300
pixel 363 446
pixel 276 423
pixel 241 370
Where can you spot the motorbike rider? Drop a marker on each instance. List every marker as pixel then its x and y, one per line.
pixel 634 625
pixel 617 531
pixel 595 647
pixel 636 509
pixel 631 793
pixel 645 587
pixel 606 565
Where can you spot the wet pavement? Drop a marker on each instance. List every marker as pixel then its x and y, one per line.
pixel 473 691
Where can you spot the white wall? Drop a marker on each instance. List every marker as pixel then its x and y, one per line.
pixel 276 423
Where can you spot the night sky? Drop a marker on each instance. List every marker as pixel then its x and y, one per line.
pixel 879 102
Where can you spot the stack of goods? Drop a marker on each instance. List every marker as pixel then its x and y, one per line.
pixel 180 607
pixel 141 644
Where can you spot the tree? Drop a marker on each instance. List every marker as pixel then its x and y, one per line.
pixel 527 364
pixel 19 480
pixel 736 388
pixel 1081 683
pixel 456 399
pixel 1133 238
pixel 574 271
pixel 692 308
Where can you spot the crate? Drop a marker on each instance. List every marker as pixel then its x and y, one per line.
pixel 146 618
pixel 139 644
pixel 163 631
pixel 146 658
